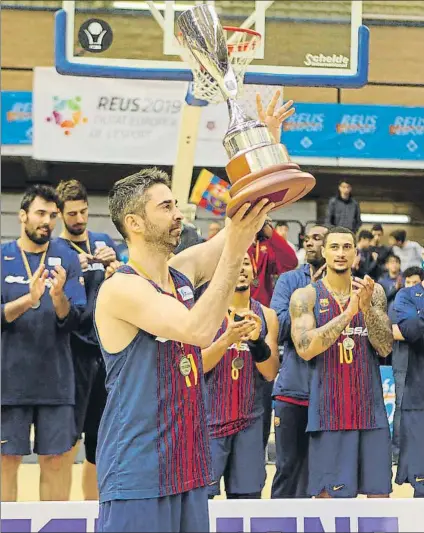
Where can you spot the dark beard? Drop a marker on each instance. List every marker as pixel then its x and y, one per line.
pixel 75 232
pixel 317 263
pixel 242 288
pixel 32 236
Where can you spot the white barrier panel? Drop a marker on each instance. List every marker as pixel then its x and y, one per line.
pixel 104 120
pixel 260 516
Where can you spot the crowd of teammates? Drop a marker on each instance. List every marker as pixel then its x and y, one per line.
pixel 53 374
pixel 175 396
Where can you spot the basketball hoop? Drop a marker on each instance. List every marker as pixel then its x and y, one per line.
pixel 241 50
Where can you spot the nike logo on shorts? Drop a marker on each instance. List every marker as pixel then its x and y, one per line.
pixel 4 441
pixel 419 479
pixel 337 487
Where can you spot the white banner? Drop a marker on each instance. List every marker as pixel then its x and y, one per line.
pixel 260 516
pixel 103 120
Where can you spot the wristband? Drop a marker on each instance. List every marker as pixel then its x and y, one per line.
pixel 260 350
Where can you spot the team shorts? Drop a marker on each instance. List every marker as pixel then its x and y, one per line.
pixel 240 458
pixel 55 430
pixel 348 463
pixel 186 513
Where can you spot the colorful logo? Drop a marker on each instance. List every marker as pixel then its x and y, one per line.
pixel 67 113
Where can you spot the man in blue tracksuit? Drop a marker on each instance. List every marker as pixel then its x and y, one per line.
pixel 291 390
pixel 409 307
pixel 42 299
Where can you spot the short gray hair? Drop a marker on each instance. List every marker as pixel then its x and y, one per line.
pixel 130 195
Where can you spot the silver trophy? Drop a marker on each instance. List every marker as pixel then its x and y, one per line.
pixel 259 166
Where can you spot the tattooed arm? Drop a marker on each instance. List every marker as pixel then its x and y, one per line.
pixel 309 340
pixel 378 323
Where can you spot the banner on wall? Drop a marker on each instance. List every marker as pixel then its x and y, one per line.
pixel 16 118
pixel 99 120
pixel 104 120
pixel 289 516
pixel 356 131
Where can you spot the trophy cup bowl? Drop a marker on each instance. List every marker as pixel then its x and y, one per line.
pixel 259 167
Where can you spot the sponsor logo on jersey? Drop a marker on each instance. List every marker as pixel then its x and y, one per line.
pixel 362 332
pixel 186 293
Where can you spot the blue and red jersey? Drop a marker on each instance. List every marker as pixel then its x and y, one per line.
pixel 345 389
pixel 235 395
pixel 153 438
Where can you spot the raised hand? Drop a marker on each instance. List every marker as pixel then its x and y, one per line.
pixel 274 118
pixel 58 281
pixel 246 223
pixel 37 284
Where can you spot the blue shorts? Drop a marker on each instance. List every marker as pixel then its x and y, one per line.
pixel 348 463
pixel 55 431
pixel 240 458
pixel 186 512
pixel 411 456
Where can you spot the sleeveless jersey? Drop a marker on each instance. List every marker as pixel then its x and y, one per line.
pixel 346 391
pixel 234 396
pixel 153 438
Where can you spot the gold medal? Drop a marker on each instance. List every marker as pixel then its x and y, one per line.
pixel 348 343
pixel 185 366
pixel 237 363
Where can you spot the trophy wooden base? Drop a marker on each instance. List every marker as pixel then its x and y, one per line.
pixel 282 184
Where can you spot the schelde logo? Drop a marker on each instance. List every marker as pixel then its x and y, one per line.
pixel 67 113
pixel 322 60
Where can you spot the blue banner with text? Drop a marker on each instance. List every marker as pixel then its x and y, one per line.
pixel 355 131
pixel 16 117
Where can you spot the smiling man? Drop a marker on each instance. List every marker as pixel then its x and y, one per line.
pixel 340 324
pixel 238 363
pixel 291 389
pixel 41 302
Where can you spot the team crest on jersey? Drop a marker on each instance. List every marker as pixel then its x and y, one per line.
pixel 324 302
pixel 277 421
pixel 362 332
pixel 263 249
